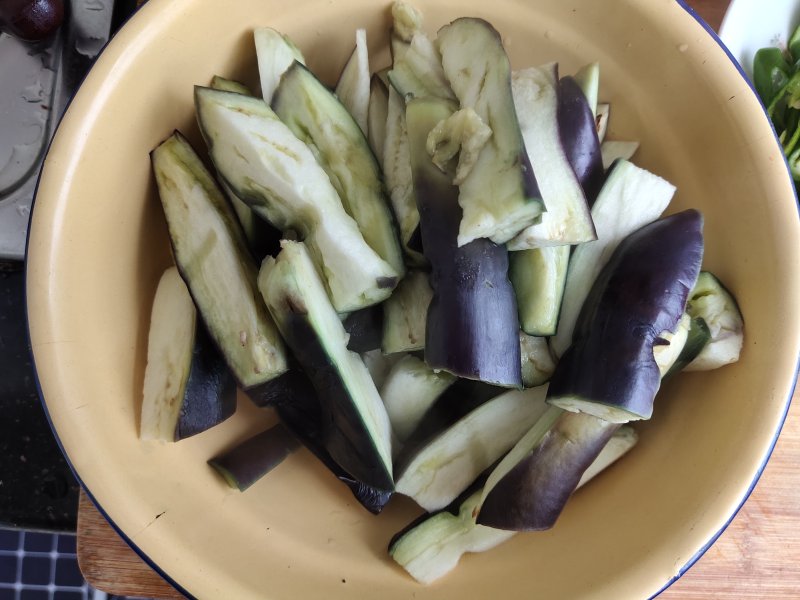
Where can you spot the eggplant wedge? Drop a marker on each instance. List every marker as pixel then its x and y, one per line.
pixel 353 89
pixel 275 53
pixel 405 314
pixel 612 151
pixel 351 405
pixel 714 304
pixel 500 197
pixel 279 177
pixel 431 546
pixel 294 399
pixel 446 466
pixel 249 461
pixel 567 220
pixel 539 276
pixel 397 175
pixel 187 386
pixel 377 114
pixel 409 391
pixel 578 128
pixel 263 238
pixel 319 119
pixel 630 198
pixel 588 79
pixel 212 256
pixel 473 328
pixel 610 370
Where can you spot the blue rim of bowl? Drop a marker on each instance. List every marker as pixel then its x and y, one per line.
pixel 683 4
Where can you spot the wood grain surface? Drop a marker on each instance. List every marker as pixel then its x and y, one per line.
pixel 757 557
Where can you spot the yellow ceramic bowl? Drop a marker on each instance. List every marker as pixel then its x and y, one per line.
pixel 98 244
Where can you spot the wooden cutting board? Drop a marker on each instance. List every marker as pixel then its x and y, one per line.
pixel 758 556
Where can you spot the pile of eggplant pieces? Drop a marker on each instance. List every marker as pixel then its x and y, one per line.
pixel 465 292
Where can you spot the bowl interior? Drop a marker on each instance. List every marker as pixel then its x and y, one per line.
pixel 98 245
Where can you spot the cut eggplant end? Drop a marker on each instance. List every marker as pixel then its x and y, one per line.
pixel 718 353
pixel 612 414
pixel 249 461
pixel 537 363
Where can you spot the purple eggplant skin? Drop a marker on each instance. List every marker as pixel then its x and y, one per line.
pixel 210 390
pixel 295 400
pixel 532 495
pixel 578 132
pixel 472 328
pixel 365 328
pixel 249 461
pixel 639 294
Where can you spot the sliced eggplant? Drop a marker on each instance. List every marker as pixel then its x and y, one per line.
pixel 212 256
pixel 500 197
pixel 360 433
pixel 613 150
pixel 567 220
pixel 397 174
pixel 472 329
pixel 588 78
pixel 630 198
pixel 364 329
pixel 249 461
pixel 444 468
pixel 713 303
pixel 352 89
pixel 417 71
pixel 187 386
pixel 579 139
pixel 275 53
pixel 263 238
pixel 316 117
pixel 377 113
pixel 405 314
pixel 537 364
pixel 610 370
pixel 530 487
pixel 409 391
pixel 538 277
pixel 278 175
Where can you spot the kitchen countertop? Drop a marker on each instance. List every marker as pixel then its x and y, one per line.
pixel 757 556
